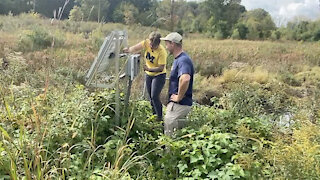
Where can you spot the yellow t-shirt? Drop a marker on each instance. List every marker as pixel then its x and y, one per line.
pixel 154 58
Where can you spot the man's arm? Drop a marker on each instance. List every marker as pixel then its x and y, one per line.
pixel 184 81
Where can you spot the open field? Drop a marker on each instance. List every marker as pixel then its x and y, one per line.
pixel 256 112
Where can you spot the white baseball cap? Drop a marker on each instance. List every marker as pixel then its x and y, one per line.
pixel 173 37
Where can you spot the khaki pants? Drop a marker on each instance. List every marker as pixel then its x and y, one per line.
pixel 175 117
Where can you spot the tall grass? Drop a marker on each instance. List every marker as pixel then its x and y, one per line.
pixel 52 127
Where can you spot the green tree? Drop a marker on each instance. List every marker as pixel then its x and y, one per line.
pixel 129 12
pixel 185 24
pixel 222 15
pixel 275 35
pixel 147 15
pixel 302 30
pixel 15 6
pixel 76 14
pixel 259 23
pixel 242 29
pixel 94 10
pixel 235 34
pixel 47 7
pixel 166 11
pixel 187 12
pixel 126 13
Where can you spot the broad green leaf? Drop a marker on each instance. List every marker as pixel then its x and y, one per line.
pixel 196 157
pixel 182 167
pixel 196 173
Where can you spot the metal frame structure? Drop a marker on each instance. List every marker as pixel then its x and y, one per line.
pixel 110 53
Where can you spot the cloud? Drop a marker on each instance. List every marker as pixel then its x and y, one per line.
pixel 283 11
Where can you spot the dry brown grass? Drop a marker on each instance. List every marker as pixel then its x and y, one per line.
pixel 265 59
pixel 274 56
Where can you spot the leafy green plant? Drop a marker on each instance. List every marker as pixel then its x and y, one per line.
pixel 200 154
pixel 39 38
pixel 296 157
pixel 250 100
pixel 76 14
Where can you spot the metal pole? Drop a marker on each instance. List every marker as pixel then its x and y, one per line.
pixel 117 42
pixel 126 101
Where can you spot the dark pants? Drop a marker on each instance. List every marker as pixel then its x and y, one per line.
pixel 154 86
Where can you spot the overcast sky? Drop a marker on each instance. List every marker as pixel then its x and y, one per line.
pixel 286 10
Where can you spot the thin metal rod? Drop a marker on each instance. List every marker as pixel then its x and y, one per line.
pixel 117 117
pixel 126 101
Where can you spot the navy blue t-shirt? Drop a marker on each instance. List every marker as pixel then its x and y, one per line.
pixel 182 64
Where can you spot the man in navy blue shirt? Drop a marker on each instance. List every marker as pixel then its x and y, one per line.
pixel 180 85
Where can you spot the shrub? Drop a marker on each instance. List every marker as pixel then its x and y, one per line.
pixel 316 36
pixel 275 35
pixel 235 34
pixel 39 38
pixel 201 115
pixel 297 157
pixel 309 77
pixel 242 30
pixel 199 155
pixel 218 35
pixel 250 100
pixel 74 111
pixel 76 14
pixel 16 73
pixel 291 79
pixel 213 68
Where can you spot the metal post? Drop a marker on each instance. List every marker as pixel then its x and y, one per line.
pixel 145 95
pixel 117 113
pixel 126 101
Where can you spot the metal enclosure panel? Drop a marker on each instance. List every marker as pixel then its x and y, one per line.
pixel 108 55
pixel 133 66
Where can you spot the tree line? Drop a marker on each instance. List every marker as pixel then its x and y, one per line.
pixel 220 19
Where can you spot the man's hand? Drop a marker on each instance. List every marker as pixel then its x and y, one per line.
pixel 183 86
pixel 175 98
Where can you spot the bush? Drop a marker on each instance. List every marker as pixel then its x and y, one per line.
pixel 275 35
pixel 76 14
pixel 297 156
pixel 200 154
pixel 235 34
pixel 218 35
pixel 291 79
pixel 16 71
pixel 250 100
pixel 37 39
pixel 242 30
pixel 213 68
pixel 316 36
pixel 201 115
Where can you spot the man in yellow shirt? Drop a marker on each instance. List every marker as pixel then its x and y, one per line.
pixel 155 68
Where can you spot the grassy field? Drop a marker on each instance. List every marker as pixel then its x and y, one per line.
pixel 256 112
